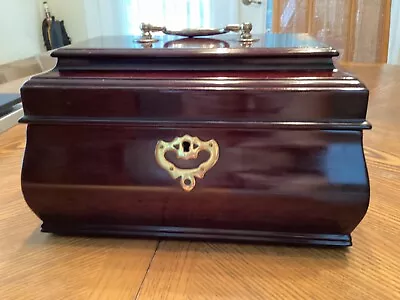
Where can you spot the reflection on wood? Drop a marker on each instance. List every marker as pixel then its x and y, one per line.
pixel 359 29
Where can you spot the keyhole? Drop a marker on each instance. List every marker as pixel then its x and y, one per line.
pixel 186 146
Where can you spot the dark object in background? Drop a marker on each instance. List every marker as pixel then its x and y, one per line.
pixel 54 33
pixel 7 101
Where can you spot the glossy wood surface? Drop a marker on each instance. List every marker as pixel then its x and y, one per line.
pixel 195 96
pixel 35 265
pixel 287 168
pixel 281 181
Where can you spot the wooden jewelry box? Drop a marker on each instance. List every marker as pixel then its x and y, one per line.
pixel 227 138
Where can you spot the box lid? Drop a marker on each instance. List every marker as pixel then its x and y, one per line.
pixel 279 81
pixel 225 52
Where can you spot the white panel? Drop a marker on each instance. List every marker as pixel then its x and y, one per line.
pixel 20 30
pixel 394 39
pixel 224 12
pixel 256 14
pixel 93 20
pixel 114 16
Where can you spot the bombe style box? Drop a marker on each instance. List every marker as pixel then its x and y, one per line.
pixel 233 137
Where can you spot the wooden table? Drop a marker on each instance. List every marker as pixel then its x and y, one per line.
pixel 35 265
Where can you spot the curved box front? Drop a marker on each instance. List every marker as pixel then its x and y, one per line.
pixel 286 181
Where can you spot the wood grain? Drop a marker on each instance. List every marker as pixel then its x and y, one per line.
pixel 359 29
pixel 310 15
pixel 349 48
pixel 35 265
pixel 276 16
pixel 385 24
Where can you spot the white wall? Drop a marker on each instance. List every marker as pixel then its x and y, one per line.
pixel 93 18
pixel 105 17
pixel 394 39
pixel 20 30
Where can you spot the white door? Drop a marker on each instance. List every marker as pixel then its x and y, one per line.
pixel 254 12
pixel 121 17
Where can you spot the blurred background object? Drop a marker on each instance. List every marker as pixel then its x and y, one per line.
pixel 54 33
pixel 359 29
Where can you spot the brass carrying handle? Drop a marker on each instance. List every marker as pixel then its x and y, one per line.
pixel 244 29
pixel 187 147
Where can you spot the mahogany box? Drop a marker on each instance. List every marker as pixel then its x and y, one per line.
pixel 197 138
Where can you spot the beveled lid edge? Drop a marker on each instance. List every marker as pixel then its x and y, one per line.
pixel 359 124
pixel 197 53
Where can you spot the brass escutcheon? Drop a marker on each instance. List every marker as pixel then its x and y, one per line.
pixel 187 147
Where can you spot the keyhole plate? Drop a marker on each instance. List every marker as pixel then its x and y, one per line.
pixel 187 147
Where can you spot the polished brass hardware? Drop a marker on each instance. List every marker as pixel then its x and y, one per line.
pixel 147 29
pixel 244 29
pixel 186 148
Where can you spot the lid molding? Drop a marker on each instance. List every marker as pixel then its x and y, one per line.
pixel 272 52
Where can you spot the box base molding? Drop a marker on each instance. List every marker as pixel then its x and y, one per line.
pixel 203 234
